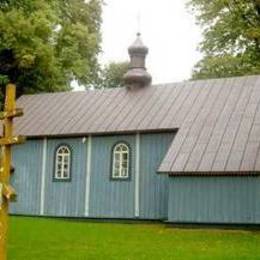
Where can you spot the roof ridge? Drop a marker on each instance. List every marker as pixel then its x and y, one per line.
pixel 158 85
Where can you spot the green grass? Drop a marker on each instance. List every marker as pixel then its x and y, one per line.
pixel 38 239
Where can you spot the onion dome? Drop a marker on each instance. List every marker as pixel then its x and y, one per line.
pixel 137 76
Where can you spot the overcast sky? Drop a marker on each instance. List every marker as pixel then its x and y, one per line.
pixel 167 28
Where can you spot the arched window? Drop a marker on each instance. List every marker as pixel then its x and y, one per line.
pixel 62 163
pixel 120 166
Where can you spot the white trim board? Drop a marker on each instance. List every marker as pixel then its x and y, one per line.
pixel 43 174
pixel 137 175
pixel 88 173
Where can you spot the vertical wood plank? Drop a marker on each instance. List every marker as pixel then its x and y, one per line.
pixel 44 156
pixel 88 173
pixel 137 175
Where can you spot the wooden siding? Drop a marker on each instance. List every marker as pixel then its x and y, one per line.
pixel 64 198
pixel 110 198
pixel 214 199
pixel 153 186
pixel 107 198
pixel 27 177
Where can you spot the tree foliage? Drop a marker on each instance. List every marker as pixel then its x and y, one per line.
pixel 112 75
pixel 231 31
pixel 44 45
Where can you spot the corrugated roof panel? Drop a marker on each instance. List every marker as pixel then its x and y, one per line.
pixel 179 117
pixel 167 118
pixel 96 111
pixel 73 114
pixel 249 156
pixel 56 112
pixel 155 107
pixel 131 122
pixel 247 114
pixel 257 161
pixel 112 107
pixel 30 105
pixel 166 106
pixel 214 132
pixel 206 162
pixel 204 133
pixel 195 157
pixel 79 112
pixel 115 120
pixel 223 147
pixel 172 153
pixel 254 135
pixel 91 113
pixel 197 124
pixel 218 121
pixel 234 161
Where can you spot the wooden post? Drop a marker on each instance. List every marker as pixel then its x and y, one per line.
pixel 7 193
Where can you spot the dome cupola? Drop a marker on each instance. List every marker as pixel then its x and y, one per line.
pixel 137 76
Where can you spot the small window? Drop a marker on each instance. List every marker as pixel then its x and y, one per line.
pixel 120 164
pixel 62 163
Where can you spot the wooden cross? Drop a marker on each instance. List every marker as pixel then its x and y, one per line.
pixel 7 193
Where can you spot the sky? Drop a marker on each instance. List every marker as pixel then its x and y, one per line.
pixel 167 28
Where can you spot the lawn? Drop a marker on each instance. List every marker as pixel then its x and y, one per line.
pixel 38 239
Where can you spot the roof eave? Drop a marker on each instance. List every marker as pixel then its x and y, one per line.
pixel 211 173
pixel 123 132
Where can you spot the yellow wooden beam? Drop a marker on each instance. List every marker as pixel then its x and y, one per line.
pixel 12 140
pixel 7 193
pixel 10 114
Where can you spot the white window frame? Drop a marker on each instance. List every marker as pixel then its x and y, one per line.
pixel 118 159
pixel 60 154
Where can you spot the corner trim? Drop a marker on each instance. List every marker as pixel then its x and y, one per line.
pixel 88 173
pixel 137 175
pixel 43 174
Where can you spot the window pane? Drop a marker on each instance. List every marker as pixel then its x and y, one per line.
pixel 120 161
pixel 117 164
pixel 125 156
pixel 64 150
pixel 62 163
pixel 116 172
pixel 124 148
pixel 58 175
pixel 125 164
pixel 65 174
pixel 124 172
pixel 117 156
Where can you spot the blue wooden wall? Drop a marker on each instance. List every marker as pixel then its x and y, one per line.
pixel 115 199
pixel 191 199
pixel 110 198
pixel 153 186
pixel 214 199
pixel 66 198
pixel 27 160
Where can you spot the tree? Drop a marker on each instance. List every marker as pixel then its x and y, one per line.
pixel 112 75
pixel 44 45
pixel 231 31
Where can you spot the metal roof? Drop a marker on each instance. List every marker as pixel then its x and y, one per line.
pixel 218 121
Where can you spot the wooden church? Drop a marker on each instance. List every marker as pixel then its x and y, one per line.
pixel 185 152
